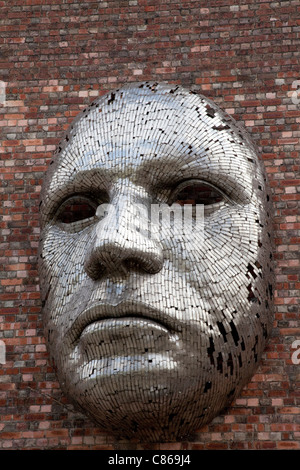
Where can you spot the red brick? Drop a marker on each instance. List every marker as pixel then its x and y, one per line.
pixel 54 55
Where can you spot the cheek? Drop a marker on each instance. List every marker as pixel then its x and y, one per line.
pixel 61 266
pixel 227 263
pixel 223 246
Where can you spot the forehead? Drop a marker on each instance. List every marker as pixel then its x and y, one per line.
pixel 146 123
pixel 159 130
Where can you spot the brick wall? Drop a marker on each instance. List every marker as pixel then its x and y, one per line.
pixel 56 57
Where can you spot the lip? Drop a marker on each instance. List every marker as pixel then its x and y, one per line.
pixel 138 310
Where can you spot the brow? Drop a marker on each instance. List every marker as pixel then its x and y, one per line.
pixel 154 174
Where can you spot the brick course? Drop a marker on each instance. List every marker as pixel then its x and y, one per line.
pixel 59 56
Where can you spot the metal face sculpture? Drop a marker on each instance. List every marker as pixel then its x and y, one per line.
pixel 155 331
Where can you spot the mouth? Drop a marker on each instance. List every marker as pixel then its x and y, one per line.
pixel 122 311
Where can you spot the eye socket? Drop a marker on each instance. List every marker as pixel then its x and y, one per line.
pixel 76 209
pixel 197 192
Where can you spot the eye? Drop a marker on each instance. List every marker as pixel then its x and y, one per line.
pixel 197 192
pixel 76 210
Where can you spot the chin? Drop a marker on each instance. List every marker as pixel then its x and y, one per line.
pixel 151 405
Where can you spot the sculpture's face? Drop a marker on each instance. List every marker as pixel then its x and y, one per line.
pixel 153 334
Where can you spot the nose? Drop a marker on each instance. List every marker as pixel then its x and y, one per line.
pixel 122 243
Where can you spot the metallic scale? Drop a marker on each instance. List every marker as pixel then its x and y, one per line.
pixel 155 331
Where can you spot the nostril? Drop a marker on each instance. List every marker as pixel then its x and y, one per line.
pixel 150 265
pixel 95 270
pixel 132 264
pixel 110 257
